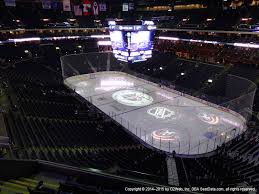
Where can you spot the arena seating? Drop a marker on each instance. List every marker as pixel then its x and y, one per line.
pixel 49 123
pixel 234 164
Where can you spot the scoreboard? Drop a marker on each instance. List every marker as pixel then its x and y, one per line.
pixel 132 43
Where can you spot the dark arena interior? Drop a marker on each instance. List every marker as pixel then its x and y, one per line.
pixel 122 96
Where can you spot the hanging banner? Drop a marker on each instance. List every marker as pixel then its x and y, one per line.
pixel 77 10
pixel 10 3
pixel 95 8
pixel 46 4
pixel 66 5
pixel 131 6
pixel 56 4
pixel 87 8
pixel 102 7
pixel 125 7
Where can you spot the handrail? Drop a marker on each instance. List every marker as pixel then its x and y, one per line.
pixel 98 172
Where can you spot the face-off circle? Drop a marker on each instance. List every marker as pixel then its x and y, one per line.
pixel 132 98
pixel 164 135
pixel 209 118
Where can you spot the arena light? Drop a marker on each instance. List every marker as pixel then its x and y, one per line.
pixel 168 38
pixel 246 19
pixel 210 80
pixel 247 45
pixel 45 19
pixel 26 51
pixel 209 19
pixel 104 43
pixel 100 36
pixel 57 48
pixel 182 73
pixel 195 40
pixel 210 42
pixel 79 46
pixel 71 19
pixel 24 39
pixel 161 68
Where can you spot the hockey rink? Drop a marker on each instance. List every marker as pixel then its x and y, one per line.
pixel 162 117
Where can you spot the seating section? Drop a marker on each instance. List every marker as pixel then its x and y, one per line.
pixel 27 186
pixel 47 122
pixel 235 163
pixel 47 184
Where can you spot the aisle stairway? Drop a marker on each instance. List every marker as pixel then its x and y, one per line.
pixel 172 171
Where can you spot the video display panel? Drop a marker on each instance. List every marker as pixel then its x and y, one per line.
pixel 117 40
pixel 132 43
pixel 140 41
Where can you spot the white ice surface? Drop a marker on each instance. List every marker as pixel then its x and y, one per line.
pixel 186 124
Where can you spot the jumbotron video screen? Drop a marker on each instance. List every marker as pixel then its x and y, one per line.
pixel 132 43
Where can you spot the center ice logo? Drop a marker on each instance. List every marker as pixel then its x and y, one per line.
pixel 161 112
pixel 132 98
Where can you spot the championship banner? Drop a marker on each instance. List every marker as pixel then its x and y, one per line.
pixel 55 4
pixel 66 5
pixel 95 8
pixel 131 6
pixel 125 7
pixel 77 10
pixel 87 8
pixel 46 4
pixel 10 3
pixel 102 7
